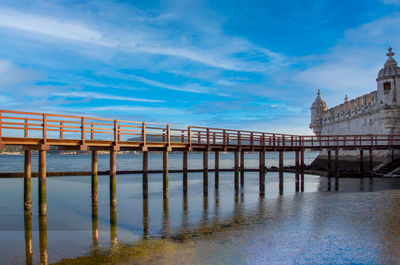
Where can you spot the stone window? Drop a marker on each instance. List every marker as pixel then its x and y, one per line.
pixel 386 86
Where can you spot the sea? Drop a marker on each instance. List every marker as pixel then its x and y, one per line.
pixel 327 221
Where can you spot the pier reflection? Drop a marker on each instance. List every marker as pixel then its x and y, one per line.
pixel 145 218
pixel 43 239
pixel 28 237
pixel 165 219
pixel 95 227
pixel 113 226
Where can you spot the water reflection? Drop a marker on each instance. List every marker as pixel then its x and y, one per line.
pixel 216 213
pixel 28 238
pixel 43 239
pixel 145 218
pixel 95 226
pixel 113 226
pixel 165 219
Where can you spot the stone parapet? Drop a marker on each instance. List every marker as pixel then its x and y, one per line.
pixel 354 108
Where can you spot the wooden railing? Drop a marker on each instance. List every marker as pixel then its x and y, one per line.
pixel 54 126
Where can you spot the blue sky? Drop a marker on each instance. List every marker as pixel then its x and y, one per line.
pixel 235 64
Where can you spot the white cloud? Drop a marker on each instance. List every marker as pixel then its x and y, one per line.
pixel 140 109
pixel 79 94
pixel 151 40
pixel 11 75
pixel 392 2
pixel 52 26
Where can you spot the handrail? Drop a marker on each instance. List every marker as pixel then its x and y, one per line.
pixel 78 127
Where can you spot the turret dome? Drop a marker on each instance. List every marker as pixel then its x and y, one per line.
pixel 390 68
pixel 319 102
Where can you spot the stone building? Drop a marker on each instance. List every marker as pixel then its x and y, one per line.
pixel 375 113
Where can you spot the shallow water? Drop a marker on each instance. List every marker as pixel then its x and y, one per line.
pixel 349 221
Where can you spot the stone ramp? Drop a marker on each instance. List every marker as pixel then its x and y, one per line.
pixel 391 169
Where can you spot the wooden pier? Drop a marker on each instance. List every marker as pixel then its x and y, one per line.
pixel 40 131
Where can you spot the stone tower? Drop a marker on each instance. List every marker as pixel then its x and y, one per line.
pixel 388 86
pixel 317 109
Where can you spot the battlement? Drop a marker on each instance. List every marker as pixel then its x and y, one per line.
pixel 350 109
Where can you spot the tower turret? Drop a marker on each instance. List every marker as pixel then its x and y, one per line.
pixel 388 82
pixel 317 109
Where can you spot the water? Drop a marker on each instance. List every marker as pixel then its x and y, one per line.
pixel 358 223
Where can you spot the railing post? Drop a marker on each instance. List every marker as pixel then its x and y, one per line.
pixel 83 130
pixel 119 133
pixel 168 136
pixel 224 137
pixel 61 129
pixel 291 141
pixel 227 138
pixel 208 137
pixel 92 131
pixel 251 139
pixel 26 128
pixel 214 138
pixel 239 139
pixel 116 133
pixel 283 140
pixel 163 135
pixel 144 133
pixel 44 129
pixel 182 136
pixel 190 135
pixel 263 140
pixel 273 140
pixel 198 137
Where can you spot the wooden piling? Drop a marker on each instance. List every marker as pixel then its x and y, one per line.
pixel 205 173
pixel 362 162
pixel 43 239
pixel 302 169
pixel 281 172
pixel 241 168
pixel 329 163
pixel 261 177
pixel 336 163
pixel 27 182
pixel 297 169
pixel 216 172
pixel 28 238
pixel 236 165
pixel 94 178
pixel 145 177
pixel 113 178
pixel 185 172
pixel 371 161
pixel 165 174
pixel 42 183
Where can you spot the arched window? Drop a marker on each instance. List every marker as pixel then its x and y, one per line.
pixel 386 86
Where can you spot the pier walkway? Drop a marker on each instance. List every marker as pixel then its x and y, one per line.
pixel 40 131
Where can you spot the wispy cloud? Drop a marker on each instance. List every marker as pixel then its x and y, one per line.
pixel 94 95
pixel 51 26
pixel 139 109
pixel 11 75
pixel 150 40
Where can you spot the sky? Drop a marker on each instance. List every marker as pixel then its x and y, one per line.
pixel 253 64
